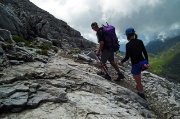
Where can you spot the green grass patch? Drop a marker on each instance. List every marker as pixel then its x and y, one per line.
pixel 55 49
pixel 156 65
pixel 18 39
pixel 10 42
pixel 162 62
pixel 42 52
pixel 167 87
pixel 44 46
pixel 75 52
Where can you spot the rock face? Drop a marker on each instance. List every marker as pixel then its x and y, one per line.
pixel 27 33
pixel 10 21
pixel 21 17
pixel 65 89
pixel 62 88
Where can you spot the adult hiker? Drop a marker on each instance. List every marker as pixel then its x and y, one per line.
pixel 104 52
pixel 135 50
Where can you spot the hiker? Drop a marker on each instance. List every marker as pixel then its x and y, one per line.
pixel 104 52
pixel 135 50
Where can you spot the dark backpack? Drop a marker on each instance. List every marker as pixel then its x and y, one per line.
pixel 111 38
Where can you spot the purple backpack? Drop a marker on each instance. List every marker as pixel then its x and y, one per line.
pixel 111 38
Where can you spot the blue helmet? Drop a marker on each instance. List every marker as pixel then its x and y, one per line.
pixel 130 30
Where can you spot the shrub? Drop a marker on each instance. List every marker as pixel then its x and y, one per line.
pixel 42 52
pixel 21 39
pixel 44 46
pixel 75 52
pixel 55 49
pixel 10 41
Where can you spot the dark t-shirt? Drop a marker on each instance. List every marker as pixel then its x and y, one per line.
pixel 135 49
pixel 100 37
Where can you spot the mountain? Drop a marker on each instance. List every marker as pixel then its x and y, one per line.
pixel 48 70
pixel 122 47
pixel 23 18
pixel 166 58
pixel 157 46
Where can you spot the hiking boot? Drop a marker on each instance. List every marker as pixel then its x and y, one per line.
pixel 100 73
pixel 106 76
pixel 142 95
pixel 120 76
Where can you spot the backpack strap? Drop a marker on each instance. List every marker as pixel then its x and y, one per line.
pixel 104 25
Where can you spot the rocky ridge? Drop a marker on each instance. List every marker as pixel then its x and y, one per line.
pixel 62 88
pixel 23 18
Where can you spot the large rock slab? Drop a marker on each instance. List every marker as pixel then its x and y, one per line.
pixel 74 92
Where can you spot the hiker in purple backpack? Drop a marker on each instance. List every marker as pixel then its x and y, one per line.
pixel 135 50
pixel 104 52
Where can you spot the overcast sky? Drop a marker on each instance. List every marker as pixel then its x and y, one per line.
pixel 148 17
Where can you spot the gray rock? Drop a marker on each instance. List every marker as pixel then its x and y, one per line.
pixel 7 79
pixel 1 51
pixel 1 39
pixel 20 44
pixel 5 34
pixel 43 40
pixel 42 27
pixel 14 62
pixel 62 97
pixel 92 55
pixel 10 21
pixel 38 98
pixel 84 57
pixel 16 102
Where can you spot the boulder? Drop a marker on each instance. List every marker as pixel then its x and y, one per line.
pixel 5 34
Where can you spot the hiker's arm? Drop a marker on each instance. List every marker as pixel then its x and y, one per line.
pixel 127 54
pixel 145 52
pixel 101 44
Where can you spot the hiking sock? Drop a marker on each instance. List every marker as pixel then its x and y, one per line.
pixel 141 92
pixel 119 72
pixel 142 95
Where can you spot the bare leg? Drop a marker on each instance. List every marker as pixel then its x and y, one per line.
pixel 115 65
pixel 138 82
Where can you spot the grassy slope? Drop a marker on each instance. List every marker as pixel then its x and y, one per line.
pixel 167 62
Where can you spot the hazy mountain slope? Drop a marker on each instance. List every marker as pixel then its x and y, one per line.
pixel 157 46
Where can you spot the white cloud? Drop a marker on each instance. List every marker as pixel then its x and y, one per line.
pixel 148 17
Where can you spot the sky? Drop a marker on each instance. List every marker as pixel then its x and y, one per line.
pixel 151 19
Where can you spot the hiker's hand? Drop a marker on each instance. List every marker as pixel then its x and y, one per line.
pixel 97 53
pixel 147 66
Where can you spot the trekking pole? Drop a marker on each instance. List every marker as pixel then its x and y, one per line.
pixel 103 65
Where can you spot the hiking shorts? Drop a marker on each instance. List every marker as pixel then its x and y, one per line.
pixel 135 70
pixel 107 55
